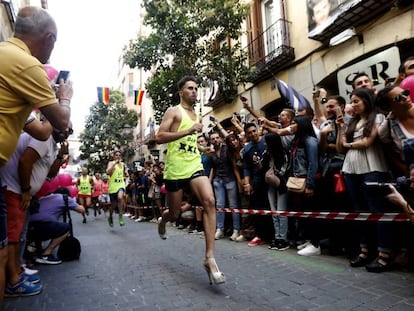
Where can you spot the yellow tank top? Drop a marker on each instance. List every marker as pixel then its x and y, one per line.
pixel 116 181
pixel 183 157
pixel 85 186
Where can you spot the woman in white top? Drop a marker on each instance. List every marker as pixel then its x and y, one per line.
pixel 365 162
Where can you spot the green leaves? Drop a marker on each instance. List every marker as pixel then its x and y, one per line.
pixel 190 37
pixel 104 131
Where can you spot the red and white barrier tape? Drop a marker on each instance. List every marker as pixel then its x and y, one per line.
pixel 388 217
pixel 324 215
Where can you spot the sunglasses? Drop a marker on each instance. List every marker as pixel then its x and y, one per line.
pixel 402 96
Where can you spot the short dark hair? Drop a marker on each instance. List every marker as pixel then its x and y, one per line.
pixel 184 80
pixel 359 75
pixel 401 69
pixel 247 125
pixel 382 101
pixel 341 101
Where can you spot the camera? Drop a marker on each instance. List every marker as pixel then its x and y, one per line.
pixel 384 187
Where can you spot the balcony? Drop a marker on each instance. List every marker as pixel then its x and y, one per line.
pixel 271 51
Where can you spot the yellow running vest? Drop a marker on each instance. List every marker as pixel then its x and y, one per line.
pixel 116 181
pixel 85 186
pixel 183 157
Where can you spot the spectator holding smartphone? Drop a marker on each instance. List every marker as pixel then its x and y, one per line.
pixel 24 86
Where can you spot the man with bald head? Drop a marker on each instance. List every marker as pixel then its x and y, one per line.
pixel 24 86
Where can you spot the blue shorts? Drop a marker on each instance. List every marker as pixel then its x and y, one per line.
pixel 46 230
pixel 3 220
pixel 105 198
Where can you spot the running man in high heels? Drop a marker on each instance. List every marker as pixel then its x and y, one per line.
pixel 184 170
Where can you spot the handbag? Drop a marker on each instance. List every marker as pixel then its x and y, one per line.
pixel 339 181
pixel 271 178
pixel 296 184
pixel 70 247
pixel 151 191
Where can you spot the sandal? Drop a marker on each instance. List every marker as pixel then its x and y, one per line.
pixel 360 260
pixel 380 264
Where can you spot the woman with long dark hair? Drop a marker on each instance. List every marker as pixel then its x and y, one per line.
pixel 304 157
pixel 365 162
pixel 276 159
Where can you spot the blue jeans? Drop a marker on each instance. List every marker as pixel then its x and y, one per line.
pixel 220 190
pixel 280 223
pixel 365 200
pixel 3 219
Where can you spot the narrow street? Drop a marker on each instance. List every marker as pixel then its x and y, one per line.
pixel 130 268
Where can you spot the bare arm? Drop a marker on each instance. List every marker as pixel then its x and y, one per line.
pixel 111 166
pixel 254 113
pixel 40 130
pixel 26 161
pixel 364 142
pixel 61 158
pixel 397 199
pixel 320 111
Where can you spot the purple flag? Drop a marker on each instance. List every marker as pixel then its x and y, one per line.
pixel 293 98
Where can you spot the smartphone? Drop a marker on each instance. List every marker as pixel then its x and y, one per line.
pixel 338 112
pixel 63 74
pixel 243 99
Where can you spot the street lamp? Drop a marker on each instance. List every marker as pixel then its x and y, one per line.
pixel 126 130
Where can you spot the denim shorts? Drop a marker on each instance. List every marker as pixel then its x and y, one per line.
pixel 46 230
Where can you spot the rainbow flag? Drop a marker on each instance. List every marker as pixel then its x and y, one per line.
pixel 139 95
pixel 103 95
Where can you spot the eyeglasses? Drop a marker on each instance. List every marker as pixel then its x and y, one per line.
pixel 400 97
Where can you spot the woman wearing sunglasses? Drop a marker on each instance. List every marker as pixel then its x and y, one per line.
pixel 398 129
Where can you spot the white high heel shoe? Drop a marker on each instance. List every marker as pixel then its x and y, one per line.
pixel 214 277
pixel 161 229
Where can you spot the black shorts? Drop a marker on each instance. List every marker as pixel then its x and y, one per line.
pixel 114 196
pixel 178 184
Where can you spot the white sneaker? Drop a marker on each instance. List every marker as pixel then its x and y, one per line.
pixel 219 234
pixel 303 245
pixel 235 235
pixel 241 238
pixel 29 271
pixel 310 250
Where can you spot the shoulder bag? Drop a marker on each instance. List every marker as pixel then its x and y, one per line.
pixel 70 247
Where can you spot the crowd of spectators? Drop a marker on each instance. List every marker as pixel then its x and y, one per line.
pixel 348 151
